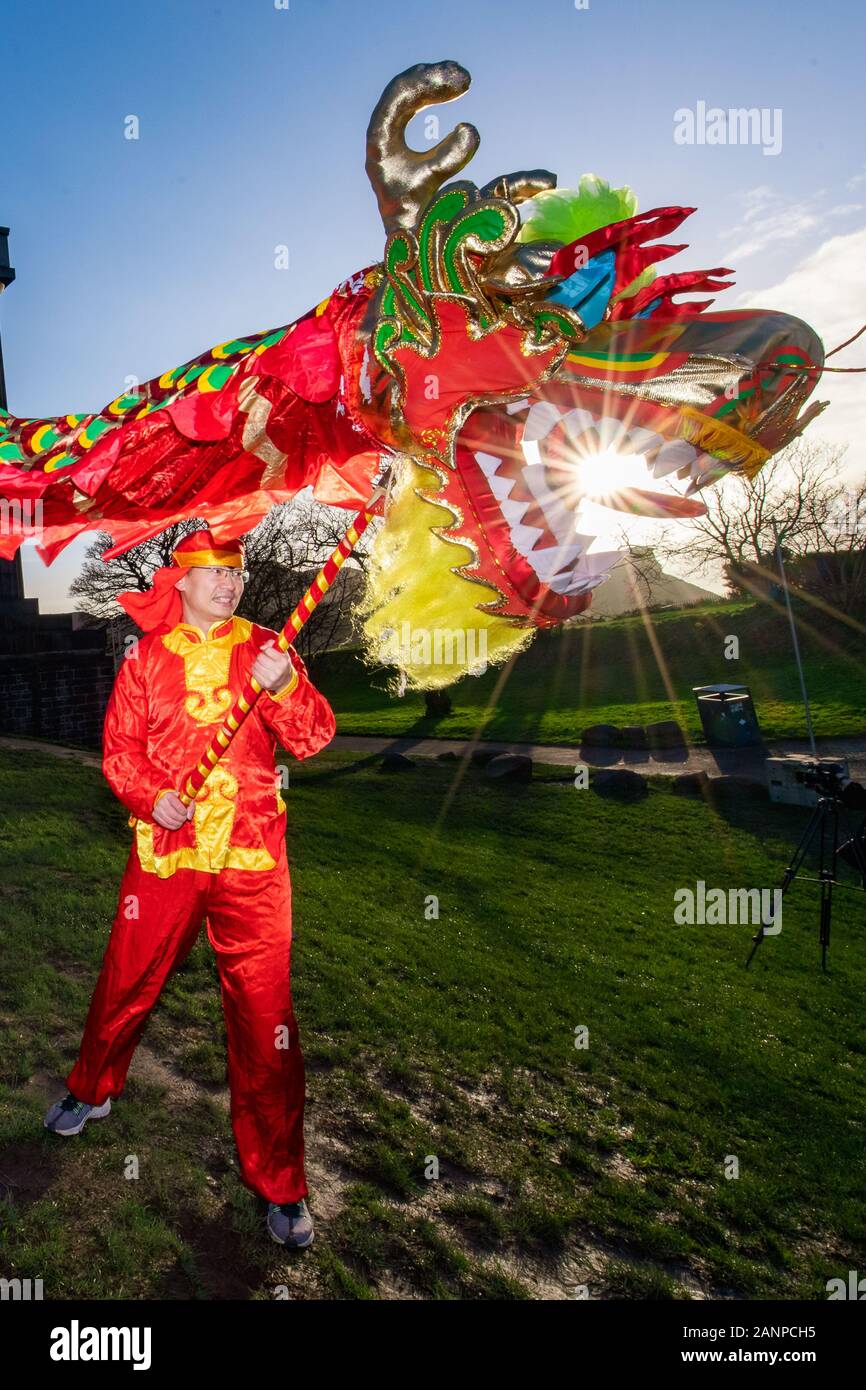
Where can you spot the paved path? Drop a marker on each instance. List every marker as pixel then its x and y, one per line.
pixel 59 750
pixel 746 762
pixel 670 762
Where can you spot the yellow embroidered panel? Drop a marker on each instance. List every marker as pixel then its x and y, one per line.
pixel 206 663
pixel 212 822
pixel 281 805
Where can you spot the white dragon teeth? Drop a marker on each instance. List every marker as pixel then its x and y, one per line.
pixel 540 421
pixel 706 470
pixel 584 541
pixel 554 564
pixel 553 560
pixel 501 487
pixel 573 583
pixel 578 583
pixel 568 584
pixel 561 523
pixel 568 568
pixel 673 455
pixel 513 511
pixel 577 421
pixel 524 538
pixel 562 583
pixel 641 441
pixel 592 583
pixel 488 462
pixel 559 519
pixel 602 561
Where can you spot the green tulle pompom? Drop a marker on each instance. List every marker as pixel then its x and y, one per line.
pixel 566 214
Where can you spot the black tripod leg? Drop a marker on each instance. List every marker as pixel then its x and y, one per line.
pixel 827 877
pixel 826 914
pixel 815 820
pixel 857 841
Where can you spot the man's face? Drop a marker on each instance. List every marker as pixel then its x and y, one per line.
pixel 210 593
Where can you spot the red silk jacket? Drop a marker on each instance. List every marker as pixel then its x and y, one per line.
pixel 166 699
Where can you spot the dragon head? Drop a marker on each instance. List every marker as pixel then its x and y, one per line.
pixel 517 375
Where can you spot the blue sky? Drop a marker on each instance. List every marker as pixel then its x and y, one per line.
pixel 133 256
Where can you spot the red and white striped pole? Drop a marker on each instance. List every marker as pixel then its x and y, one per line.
pixel 314 595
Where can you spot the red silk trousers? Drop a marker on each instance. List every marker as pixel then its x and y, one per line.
pixel 249 925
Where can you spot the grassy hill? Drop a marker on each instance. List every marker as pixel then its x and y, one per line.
pixel 628 671
pixel 451 1036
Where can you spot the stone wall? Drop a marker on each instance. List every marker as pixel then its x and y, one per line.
pixel 58 696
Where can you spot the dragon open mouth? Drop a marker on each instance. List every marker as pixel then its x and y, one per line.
pixel 529 467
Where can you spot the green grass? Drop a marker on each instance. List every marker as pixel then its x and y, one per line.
pixel 628 671
pixel 447 1045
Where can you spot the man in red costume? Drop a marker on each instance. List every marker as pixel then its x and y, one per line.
pixel 223 858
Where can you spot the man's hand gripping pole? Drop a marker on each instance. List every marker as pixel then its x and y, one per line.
pixel 314 595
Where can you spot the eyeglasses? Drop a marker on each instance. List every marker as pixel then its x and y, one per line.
pixel 224 572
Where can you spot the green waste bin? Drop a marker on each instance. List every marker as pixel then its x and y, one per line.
pixel 728 716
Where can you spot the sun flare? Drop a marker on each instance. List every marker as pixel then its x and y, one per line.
pixel 599 475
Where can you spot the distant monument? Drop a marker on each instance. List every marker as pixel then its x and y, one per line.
pixel 55 674
pixel 13 604
pixel 639 582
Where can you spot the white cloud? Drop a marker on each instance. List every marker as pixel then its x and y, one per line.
pixel 828 289
pixel 756 200
pixel 785 225
pixel 769 218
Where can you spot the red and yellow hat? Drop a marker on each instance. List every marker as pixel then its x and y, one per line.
pixel 161 605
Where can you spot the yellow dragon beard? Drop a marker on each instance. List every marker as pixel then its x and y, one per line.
pixel 418 614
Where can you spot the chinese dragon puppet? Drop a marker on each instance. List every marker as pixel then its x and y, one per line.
pixel 490 356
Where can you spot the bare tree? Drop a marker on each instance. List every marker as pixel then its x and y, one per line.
pixel 801 493
pixel 283 555
pixel 100 581
pixel 835 571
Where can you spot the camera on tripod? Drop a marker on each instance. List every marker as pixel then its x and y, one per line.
pixel 830 778
pixel 836 796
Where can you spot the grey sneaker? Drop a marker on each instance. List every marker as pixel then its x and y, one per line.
pixel 69 1116
pixel 291 1223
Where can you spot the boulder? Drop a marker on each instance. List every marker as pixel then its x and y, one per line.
pixel 510 767
pixel 447 757
pixel 482 756
pixel 395 762
pixel 690 783
pixel 633 736
pixel 666 734
pixel 601 736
